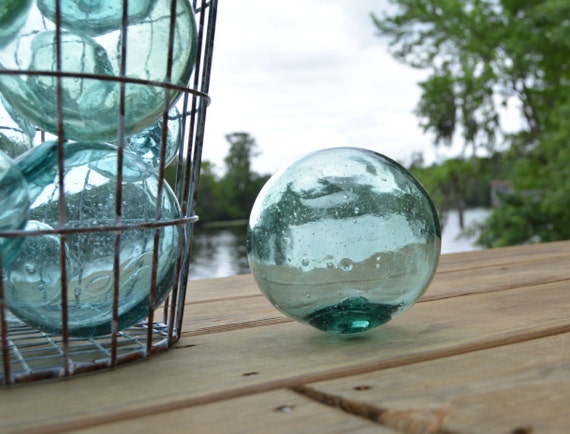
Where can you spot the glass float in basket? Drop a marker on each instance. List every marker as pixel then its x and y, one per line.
pixel 90 43
pixel 148 143
pixel 13 14
pixel 14 205
pixel 33 277
pixel 344 240
pixel 32 282
pixel 95 17
pixel 16 134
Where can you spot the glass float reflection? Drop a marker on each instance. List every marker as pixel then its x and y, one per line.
pixel 13 14
pixel 34 276
pixel 343 239
pixel 14 205
pixel 16 134
pixel 148 143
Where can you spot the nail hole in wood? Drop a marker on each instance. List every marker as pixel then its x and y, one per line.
pixel 249 374
pixel 522 430
pixel 284 409
pixel 362 387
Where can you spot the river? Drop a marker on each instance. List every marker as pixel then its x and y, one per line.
pixel 221 251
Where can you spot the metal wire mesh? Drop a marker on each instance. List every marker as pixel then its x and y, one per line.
pixel 28 354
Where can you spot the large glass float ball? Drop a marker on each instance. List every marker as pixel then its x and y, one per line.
pixel 91 107
pixel 13 14
pixel 148 144
pixel 90 184
pixel 14 206
pixel 16 133
pixel 343 239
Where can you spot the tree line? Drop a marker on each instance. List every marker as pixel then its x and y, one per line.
pixel 484 55
pixel 459 184
pixel 454 184
pixel 230 195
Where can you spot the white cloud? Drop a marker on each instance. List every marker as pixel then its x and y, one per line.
pixel 300 76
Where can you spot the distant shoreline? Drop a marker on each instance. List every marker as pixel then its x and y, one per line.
pixel 219 247
pixel 222 224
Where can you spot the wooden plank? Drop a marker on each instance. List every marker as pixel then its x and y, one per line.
pixel 280 412
pixel 520 388
pixel 499 277
pixel 221 366
pixel 200 291
pixel 240 286
pixel 227 313
pixel 502 256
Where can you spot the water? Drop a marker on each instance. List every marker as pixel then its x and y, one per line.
pixel 219 252
pixel 452 240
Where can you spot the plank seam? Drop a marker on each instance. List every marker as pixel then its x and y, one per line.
pixel 412 421
pixel 236 326
pixel 443 269
pixel 542 282
pixel 426 298
pixel 213 300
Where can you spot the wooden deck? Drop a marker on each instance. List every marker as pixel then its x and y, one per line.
pixel 487 350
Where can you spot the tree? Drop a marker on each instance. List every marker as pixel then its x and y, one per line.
pixel 483 54
pixel 240 184
pixel 209 206
pixel 458 183
pixel 230 196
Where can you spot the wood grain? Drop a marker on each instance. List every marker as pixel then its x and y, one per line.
pixel 488 340
pixel 279 412
pixel 499 390
pixel 223 313
pixel 221 366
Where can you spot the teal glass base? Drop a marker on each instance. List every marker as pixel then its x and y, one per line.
pixel 353 315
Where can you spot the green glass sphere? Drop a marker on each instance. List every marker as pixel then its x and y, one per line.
pixel 344 240
pixel 32 282
pixel 96 17
pixel 91 106
pixel 148 144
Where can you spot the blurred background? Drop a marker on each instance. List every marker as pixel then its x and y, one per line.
pixel 471 96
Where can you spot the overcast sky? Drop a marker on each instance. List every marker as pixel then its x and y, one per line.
pixel 306 75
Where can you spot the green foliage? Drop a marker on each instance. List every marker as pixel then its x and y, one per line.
pixel 437 109
pixel 483 54
pixel 461 183
pixel 210 205
pixel 231 196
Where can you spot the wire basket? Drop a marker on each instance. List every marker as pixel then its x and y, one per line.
pixel 27 352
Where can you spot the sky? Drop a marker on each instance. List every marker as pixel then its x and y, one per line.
pixel 306 75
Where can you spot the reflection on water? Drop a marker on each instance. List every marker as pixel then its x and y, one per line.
pixel 452 239
pixel 221 251
pixel 218 252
